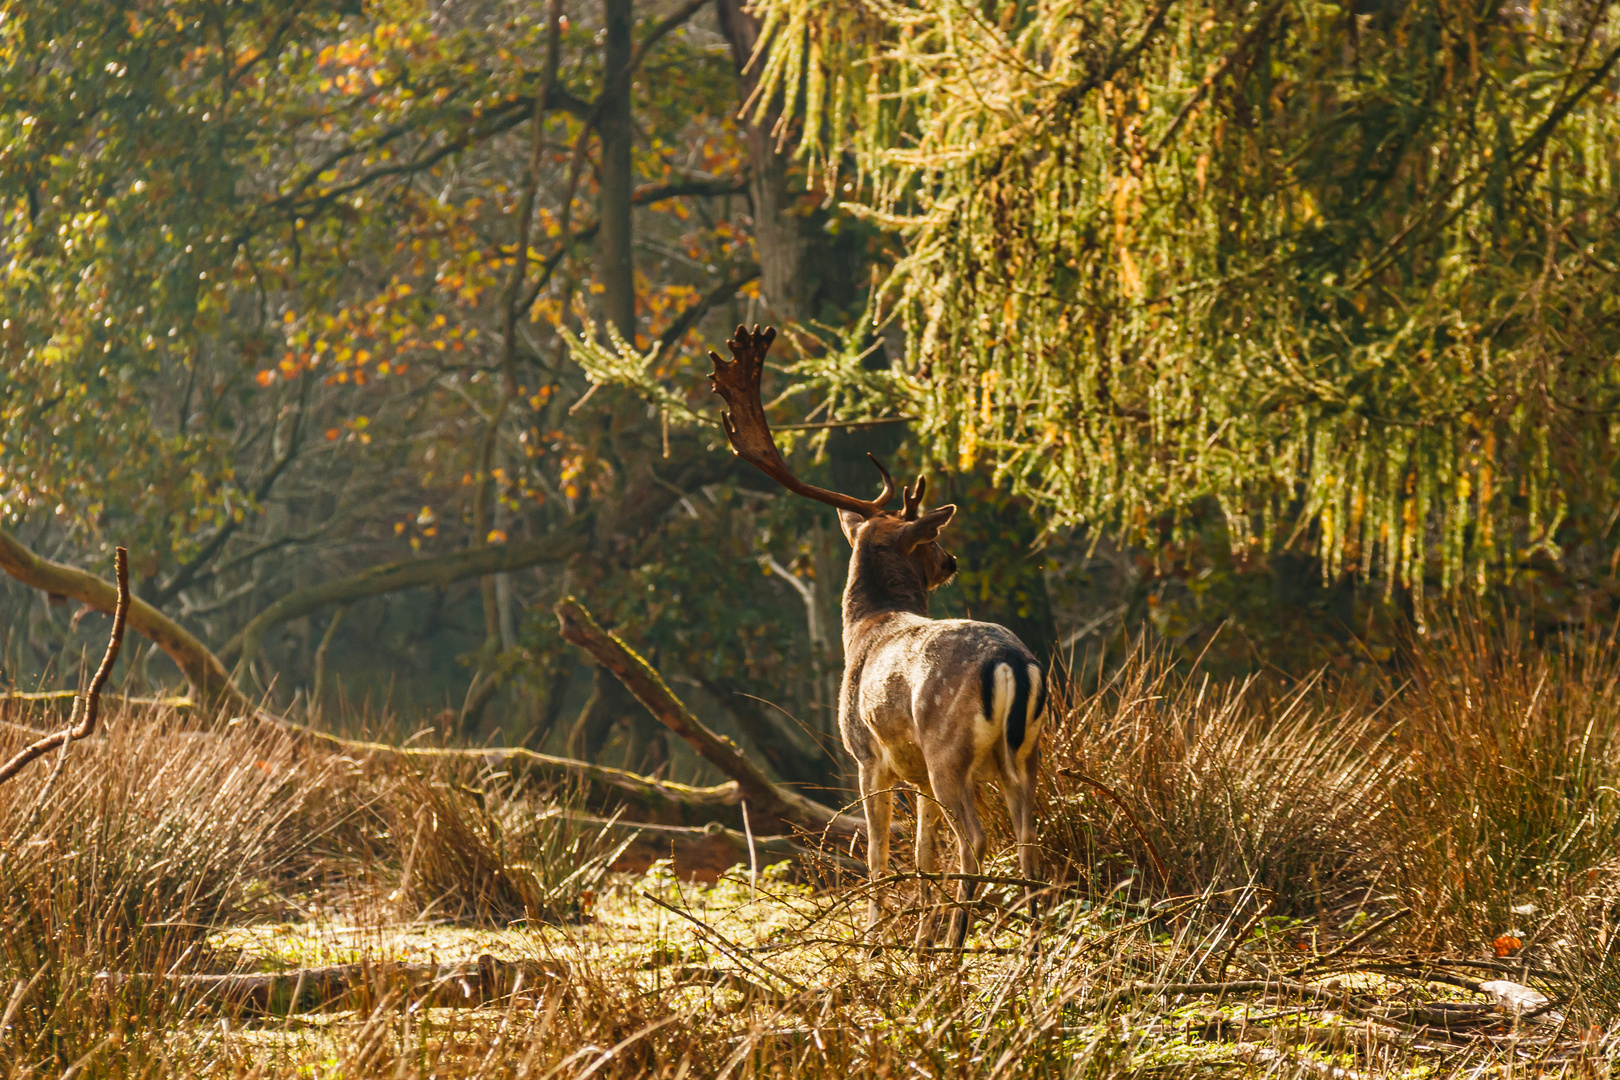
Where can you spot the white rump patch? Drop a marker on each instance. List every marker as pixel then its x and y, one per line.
pixel 992 728
pixel 1001 700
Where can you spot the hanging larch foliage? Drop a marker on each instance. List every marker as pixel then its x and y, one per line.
pixel 1347 273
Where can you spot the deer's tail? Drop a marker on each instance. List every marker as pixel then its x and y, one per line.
pixel 1014 694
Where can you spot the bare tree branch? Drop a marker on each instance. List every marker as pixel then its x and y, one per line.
pixel 391 577
pixel 642 680
pixel 92 697
pixel 187 574
pixel 200 666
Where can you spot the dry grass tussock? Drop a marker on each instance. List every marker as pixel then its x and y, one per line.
pixel 1336 867
pixel 1478 784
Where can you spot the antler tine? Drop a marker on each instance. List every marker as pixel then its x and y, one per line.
pixel 888 482
pixel 737 381
pixel 914 498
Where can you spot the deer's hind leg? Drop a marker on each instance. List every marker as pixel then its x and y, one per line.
pixel 877 799
pixel 928 815
pixel 1018 787
pixel 958 803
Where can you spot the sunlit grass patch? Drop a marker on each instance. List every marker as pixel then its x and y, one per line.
pixel 287 945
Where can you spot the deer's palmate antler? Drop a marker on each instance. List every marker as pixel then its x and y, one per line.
pixel 937 704
pixel 737 381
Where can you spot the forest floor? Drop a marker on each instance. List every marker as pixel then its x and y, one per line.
pixel 1421 882
pixel 765 973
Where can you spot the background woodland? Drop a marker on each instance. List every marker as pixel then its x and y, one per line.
pixel 1267 348
pixel 1259 331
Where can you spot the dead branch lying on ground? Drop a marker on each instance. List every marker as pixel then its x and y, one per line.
pixel 55 702
pixel 712 848
pixel 202 669
pixel 642 680
pixel 92 698
pixel 643 798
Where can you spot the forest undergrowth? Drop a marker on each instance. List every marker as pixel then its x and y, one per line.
pixel 1416 875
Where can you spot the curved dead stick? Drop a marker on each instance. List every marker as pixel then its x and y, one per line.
pixel 203 670
pixel 642 680
pixel 92 697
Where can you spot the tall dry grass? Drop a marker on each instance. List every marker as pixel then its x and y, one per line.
pixel 123 856
pixel 1477 783
pixel 1478 786
pixel 128 853
pixel 1508 795
pixel 483 847
pixel 1229 786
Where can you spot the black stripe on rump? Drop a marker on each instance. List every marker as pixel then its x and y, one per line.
pixel 1019 711
pixel 1040 698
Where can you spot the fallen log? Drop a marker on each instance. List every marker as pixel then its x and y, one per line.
pixel 339 987
pixel 637 798
pixel 641 798
pixel 765 797
pixel 58 704
pixel 682 822
pixel 202 669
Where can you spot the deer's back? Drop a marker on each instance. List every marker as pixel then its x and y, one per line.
pixel 913 686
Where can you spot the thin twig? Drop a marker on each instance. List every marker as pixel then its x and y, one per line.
pixel 92 699
pixel 737 952
pixel 1273 986
pixel 1237 940
pixel 1211 78
pixel 1346 946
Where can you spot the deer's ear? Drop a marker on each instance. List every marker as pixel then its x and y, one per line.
pixel 850 522
pixel 927 527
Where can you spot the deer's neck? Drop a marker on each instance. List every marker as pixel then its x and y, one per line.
pixel 879 586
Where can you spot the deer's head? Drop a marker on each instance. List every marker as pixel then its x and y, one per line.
pixel 895 540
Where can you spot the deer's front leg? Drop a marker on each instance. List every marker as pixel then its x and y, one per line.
pixel 877 799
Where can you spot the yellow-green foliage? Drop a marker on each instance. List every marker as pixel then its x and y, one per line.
pixel 1350 275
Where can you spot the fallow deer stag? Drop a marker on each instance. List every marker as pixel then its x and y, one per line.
pixel 941 704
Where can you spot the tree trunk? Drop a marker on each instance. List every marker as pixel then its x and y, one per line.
pixel 548 675
pixel 617 268
pixel 317 689
pixel 485 685
pixel 609 705
pixel 777 234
